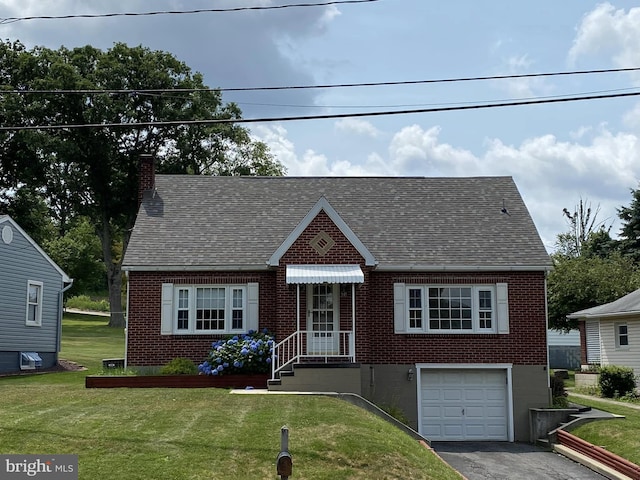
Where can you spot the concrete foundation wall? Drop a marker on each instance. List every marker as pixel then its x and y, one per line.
pixel 321 379
pixel 388 386
pixel 530 390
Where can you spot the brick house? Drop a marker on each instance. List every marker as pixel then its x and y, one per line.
pixel 427 294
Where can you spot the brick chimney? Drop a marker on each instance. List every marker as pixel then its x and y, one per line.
pixel 146 175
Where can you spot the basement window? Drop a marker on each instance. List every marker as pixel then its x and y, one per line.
pixel 30 361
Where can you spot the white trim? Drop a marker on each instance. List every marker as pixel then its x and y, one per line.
pixel 322 204
pixel 426 329
pixel 170 304
pixel 312 348
pixel 7 218
pixel 461 268
pixel 603 316
pixel 617 335
pixel 38 321
pixel 469 366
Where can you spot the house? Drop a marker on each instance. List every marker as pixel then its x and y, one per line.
pixel 564 349
pixel 427 294
pixel 610 333
pixel 31 289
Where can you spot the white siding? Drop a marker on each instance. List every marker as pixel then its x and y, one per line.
pixel 626 356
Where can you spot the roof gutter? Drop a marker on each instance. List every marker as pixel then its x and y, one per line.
pixel 588 316
pixel 380 268
pixel 464 268
pixel 195 268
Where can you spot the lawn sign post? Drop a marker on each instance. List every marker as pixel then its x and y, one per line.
pixel 284 464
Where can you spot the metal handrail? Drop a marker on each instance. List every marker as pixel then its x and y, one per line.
pixel 303 344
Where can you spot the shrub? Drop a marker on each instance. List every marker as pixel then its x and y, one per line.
pixel 249 353
pixel 616 381
pixel 179 366
pixel 84 302
pixel 558 392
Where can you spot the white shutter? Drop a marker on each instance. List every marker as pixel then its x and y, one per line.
pixel 252 306
pixel 166 314
pixel 502 304
pixel 592 331
pixel 399 308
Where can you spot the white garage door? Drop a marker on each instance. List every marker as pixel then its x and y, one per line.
pixel 464 404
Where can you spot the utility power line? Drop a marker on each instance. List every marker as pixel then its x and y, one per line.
pixel 181 12
pixel 319 117
pixel 325 86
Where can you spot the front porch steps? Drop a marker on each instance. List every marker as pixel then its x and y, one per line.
pixel 319 377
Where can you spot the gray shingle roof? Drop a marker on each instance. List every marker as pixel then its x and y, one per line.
pixel 215 222
pixel 630 303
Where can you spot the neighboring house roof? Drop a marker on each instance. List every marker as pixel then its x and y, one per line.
pixel 5 220
pixel 204 222
pixel 627 305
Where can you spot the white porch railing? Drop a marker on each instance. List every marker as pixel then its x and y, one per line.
pixel 312 345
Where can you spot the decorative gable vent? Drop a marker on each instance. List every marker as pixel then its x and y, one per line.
pixel 322 243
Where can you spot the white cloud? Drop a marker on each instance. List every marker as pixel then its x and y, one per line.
pixel 610 31
pixel 357 126
pixel 600 166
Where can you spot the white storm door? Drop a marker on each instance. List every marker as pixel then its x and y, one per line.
pixel 323 319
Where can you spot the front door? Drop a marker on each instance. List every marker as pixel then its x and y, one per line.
pixel 323 319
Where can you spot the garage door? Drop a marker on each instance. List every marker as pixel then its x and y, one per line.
pixel 464 404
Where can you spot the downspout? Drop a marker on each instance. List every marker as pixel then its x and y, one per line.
pixel 546 315
pixel 126 322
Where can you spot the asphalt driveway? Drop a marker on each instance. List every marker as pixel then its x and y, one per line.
pixel 506 461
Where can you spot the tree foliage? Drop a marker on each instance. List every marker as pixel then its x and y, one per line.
pixel 93 171
pixel 79 253
pixel 584 282
pixel 630 231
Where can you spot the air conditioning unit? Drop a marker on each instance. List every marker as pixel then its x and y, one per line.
pixel 30 361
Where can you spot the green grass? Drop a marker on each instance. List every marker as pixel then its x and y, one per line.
pixel 619 436
pixel 195 433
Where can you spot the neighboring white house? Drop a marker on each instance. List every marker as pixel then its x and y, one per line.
pixel 610 333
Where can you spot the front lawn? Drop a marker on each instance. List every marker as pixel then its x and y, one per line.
pixel 619 436
pixel 195 433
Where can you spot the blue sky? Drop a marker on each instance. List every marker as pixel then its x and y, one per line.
pixel 556 153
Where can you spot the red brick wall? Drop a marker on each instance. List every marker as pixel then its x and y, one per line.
pixel 525 344
pixel 145 345
pixel 582 327
pixel 376 342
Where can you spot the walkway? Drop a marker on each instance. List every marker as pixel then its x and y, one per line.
pixel 635 406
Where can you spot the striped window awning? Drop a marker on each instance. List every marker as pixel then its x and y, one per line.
pixel 324 274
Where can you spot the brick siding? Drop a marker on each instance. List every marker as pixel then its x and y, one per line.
pixel 376 342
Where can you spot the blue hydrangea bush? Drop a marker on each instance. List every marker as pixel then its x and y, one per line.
pixel 250 353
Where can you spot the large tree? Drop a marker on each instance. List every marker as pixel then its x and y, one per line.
pixel 93 171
